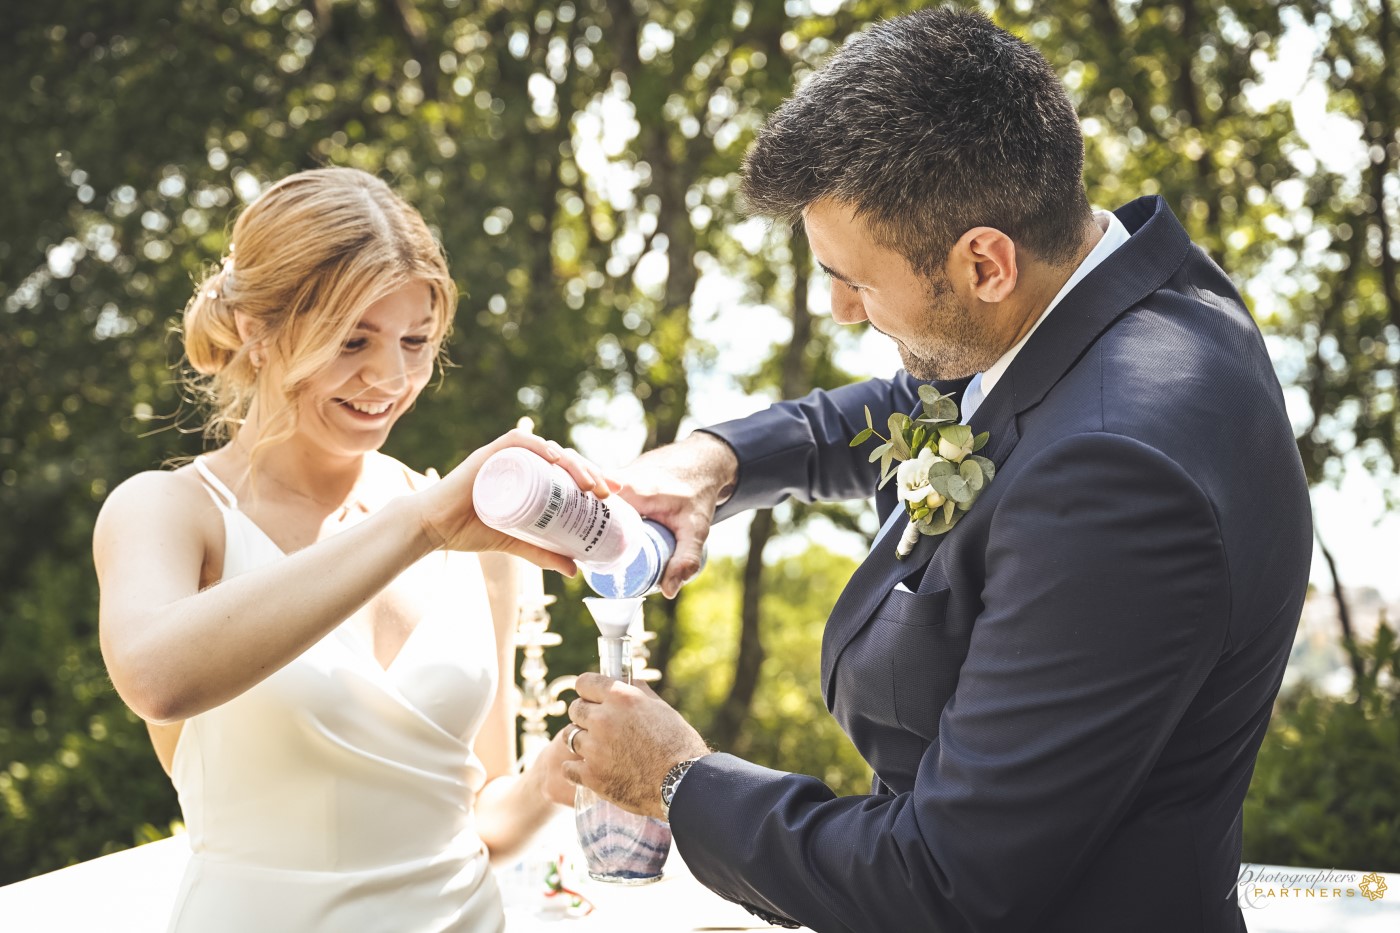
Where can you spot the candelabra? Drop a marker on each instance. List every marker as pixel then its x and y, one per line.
pixel 641 655
pixel 539 696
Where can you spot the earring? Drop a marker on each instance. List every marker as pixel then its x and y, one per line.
pixel 255 357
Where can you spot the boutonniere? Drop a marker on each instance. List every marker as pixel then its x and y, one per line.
pixel 938 471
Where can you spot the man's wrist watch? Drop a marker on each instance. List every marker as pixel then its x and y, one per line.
pixel 670 782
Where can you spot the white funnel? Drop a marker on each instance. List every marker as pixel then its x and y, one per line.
pixel 614 616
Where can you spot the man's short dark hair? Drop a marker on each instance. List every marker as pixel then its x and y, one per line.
pixel 930 124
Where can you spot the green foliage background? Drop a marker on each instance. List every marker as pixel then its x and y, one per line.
pixel 1324 785
pixel 788 725
pixel 131 131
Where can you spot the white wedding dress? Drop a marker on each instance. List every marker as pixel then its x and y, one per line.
pixel 338 794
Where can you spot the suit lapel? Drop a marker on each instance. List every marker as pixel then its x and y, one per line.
pixel 1157 248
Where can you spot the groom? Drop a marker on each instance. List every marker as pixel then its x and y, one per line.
pixel 1062 697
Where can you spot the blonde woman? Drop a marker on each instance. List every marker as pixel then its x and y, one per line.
pixel 324 665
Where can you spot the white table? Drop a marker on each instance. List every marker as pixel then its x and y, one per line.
pixel 132 892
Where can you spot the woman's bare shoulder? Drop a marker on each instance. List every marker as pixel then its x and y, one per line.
pixel 170 500
pixel 153 487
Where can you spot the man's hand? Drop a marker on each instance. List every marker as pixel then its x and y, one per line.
pixel 680 485
pixel 630 738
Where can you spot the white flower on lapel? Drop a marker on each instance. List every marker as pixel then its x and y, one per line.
pixel 956 443
pixel 912 477
pixel 939 476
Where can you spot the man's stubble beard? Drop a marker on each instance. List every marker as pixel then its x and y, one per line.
pixel 953 343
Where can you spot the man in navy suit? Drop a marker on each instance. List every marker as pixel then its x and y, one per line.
pixel 1062 697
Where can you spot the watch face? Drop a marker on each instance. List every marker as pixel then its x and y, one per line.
pixel 672 781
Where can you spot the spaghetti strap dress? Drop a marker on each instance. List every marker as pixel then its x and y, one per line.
pixel 337 794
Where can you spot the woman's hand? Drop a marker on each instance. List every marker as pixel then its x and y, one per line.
pixel 451 522
pixel 553 785
pixel 513 807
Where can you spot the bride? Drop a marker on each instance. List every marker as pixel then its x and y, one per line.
pixel 324 662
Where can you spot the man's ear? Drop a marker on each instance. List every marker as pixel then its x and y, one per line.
pixel 984 261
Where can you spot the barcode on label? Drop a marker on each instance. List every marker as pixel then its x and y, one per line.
pixel 556 502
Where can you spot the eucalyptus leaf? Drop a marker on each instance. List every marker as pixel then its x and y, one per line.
pixel 989 469
pixel 929 395
pixel 946 410
pixel 898 422
pixel 939 484
pixel 972 472
pixel 958 489
pixel 862 437
pixel 868 422
pixel 936 525
pixel 948 508
pixel 980 440
pixel 942 467
pixel 879 452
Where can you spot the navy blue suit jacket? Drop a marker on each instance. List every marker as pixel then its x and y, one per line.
pixel 1064 710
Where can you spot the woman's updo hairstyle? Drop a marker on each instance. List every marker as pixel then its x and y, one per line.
pixel 307 258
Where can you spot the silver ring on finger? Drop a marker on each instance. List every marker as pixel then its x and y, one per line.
pixel 569 739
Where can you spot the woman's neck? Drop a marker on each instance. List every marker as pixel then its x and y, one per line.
pixel 311 475
pixel 295 468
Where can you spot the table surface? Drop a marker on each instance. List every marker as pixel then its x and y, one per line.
pixel 132 892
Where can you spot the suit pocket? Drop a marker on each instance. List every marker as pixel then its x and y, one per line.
pixel 926 650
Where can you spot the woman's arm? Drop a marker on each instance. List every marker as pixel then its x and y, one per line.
pixel 174 651
pixel 511 807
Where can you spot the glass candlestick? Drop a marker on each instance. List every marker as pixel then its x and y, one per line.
pixel 619 847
